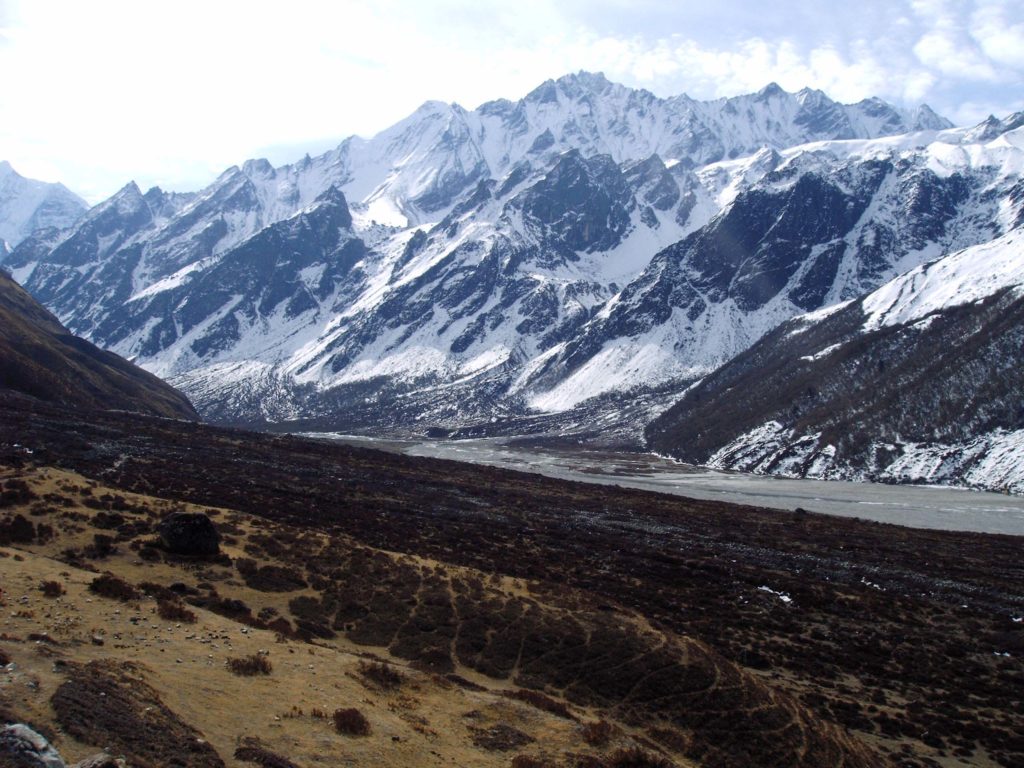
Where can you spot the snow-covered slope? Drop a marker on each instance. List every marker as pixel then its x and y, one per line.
pixel 919 381
pixel 27 205
pixel 800 229
pixel 464 266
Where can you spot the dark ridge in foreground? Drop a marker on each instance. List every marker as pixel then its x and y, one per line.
pixel 906 637
pixel 41 358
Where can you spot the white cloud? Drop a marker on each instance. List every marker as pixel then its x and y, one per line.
pixel 172 93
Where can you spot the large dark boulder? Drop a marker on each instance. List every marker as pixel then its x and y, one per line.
pixel 189 533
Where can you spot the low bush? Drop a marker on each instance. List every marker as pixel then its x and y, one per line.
pixel 51 588
pixel 351 722
pixel 542 701
pixel 634 757
pixel 597 733
pixel 252 752
pixel 175 610
pixel 109 585
pixel 248 666
pixel 384 675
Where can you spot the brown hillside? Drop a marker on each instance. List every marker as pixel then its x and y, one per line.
pixel 41 358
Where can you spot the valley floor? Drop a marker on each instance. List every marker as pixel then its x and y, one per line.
pixel 936 507
pixel 832 641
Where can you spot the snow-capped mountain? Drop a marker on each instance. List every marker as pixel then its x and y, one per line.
pixel 472 266
pixel 919 381
pixel 27 205
pixel 798 229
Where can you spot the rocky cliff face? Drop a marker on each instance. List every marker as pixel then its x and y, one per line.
pixel 468 268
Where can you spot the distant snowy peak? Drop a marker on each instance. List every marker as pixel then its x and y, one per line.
pixel 27 205
pixel 414 170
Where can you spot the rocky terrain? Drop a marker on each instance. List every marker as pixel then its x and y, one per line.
pixel 514 610
pixel 472 268
pixel 918 381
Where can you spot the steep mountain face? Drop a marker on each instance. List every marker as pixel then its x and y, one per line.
pixel 472 267
pixel 27 205
pixel 38 357
pixel 804 228
pixel 919 381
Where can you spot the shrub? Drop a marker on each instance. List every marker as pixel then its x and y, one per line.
pixel 247 666
pixel 597 733
pixel 109 585
pixel 252 752
pixel 4 658
pixel 351 722
pixel 17 530
pixel 384 675
pixel 175 610
pixel 634 757
pixel 541 701
pixel 52 588
pixel 529 761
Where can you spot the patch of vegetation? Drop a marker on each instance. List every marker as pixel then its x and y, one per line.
pixel 530 761
pixel 635 757
pixel 16 530
pixel 114 587
pixel 107 703
pixel 597 733
pixel 383 675
pixel 500 738
pixel 351 722
pixel 52 588
pixel 541 701
pixel 248 666
pixel 175 610
pixel 251 751
pixel 270 578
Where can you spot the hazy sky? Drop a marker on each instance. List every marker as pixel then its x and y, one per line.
pixel 97 92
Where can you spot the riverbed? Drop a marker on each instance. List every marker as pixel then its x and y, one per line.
pixel 937 507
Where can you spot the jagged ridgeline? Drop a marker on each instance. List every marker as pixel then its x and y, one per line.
pixel 475 267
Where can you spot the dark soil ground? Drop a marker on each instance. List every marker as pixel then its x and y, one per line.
pixel 905 637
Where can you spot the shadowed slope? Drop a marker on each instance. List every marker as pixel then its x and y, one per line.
pixel 39 357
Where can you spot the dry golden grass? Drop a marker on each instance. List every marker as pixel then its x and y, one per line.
pixel 415 718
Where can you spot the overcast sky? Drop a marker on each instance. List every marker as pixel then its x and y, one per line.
pixel 97 92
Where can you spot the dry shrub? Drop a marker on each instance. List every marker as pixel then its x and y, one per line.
pixel 351 722
pixel 529 761
pixel 4 658
pixel 248 666
pixel 251 751
pixel 500 738
pixel 109 585
pixel 384 675
pixel 542 702
pixel 597 733
pixel 634 757
pixel 51 588
pixel 108 703
pixel 175 610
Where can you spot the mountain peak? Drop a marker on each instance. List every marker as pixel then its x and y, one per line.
pixel 772 90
